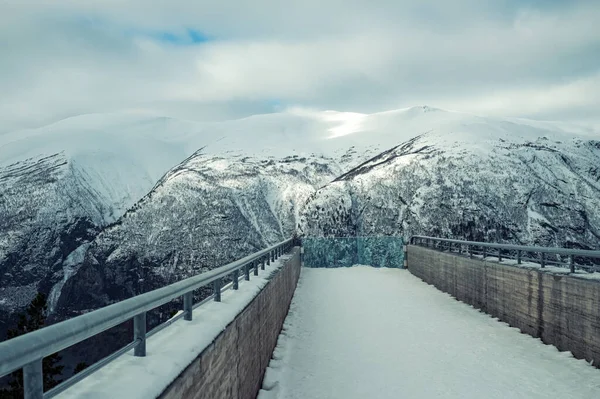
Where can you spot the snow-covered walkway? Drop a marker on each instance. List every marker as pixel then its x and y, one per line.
pixel 373 333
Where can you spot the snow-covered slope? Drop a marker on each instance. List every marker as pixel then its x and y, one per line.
pixel 475 178
pixel 62 184
pixel 100 207
pixel 206 212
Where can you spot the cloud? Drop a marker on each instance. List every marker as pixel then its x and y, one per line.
pixel 538 59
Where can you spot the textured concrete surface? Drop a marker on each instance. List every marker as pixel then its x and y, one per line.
pixel 562 310
pixel 233 366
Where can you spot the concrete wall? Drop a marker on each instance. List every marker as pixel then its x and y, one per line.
pixel 233 366
pixel 562 310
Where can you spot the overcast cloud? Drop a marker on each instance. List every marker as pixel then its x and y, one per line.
pixel 224 59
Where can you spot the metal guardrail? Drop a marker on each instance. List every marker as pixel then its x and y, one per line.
pixel 509 251
pixel 27 351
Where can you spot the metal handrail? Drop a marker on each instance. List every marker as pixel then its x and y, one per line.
pixel 571 253
pixel 28 350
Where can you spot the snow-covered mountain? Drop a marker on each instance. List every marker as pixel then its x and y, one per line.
pixel 481 183
pixel 62 184
pixel 97 208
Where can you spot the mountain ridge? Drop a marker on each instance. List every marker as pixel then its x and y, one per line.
pixel 110 206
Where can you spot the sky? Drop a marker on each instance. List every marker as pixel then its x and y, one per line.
pixel 216 60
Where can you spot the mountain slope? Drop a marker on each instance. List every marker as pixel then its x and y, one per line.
pixel 205 213
pixel 62 184
pixel 98 208
pixel 477 181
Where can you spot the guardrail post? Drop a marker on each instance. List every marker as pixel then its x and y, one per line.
pixel 519 257
pixel 33 380
pixel 139 332
pixel 484 252
pixel 187 305
pixel 217 290
pixel 470 249
pixel 543 260
pixel 499 254
pixel 572 263
pixel 272 253
pixel 263 261
pixel 255 267
pixel 236 276
pixel 247 272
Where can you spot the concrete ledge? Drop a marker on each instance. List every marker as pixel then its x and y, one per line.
pixel 233 365
pixel 562 310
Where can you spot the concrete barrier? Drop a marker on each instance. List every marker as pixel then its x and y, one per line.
pixel 233 366
pixel 562 310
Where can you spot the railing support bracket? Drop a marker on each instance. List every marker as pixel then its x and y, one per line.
pixel 33 380
pixel 139 333
pixel 188 305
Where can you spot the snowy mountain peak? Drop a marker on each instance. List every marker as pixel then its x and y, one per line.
pixel 427 108
pixel 145 195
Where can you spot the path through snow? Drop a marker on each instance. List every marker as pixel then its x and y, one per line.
pixel 372 333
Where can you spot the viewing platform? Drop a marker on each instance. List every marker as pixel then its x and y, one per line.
pixel 349 318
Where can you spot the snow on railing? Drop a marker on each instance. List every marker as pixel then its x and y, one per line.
pixel 517 252
pixel 27 351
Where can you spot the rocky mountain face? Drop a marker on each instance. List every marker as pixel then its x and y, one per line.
pixel 104 208
pixel 204 213
pixel 539 192
pixel 59 187
pixel 35 238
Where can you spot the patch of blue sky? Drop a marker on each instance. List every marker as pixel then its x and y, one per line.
pixel 275 104
pixel 181 37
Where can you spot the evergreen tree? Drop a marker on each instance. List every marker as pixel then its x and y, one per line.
pixel 33 319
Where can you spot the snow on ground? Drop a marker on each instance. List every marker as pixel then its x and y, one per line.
pixel 363 332
pixel 171 350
